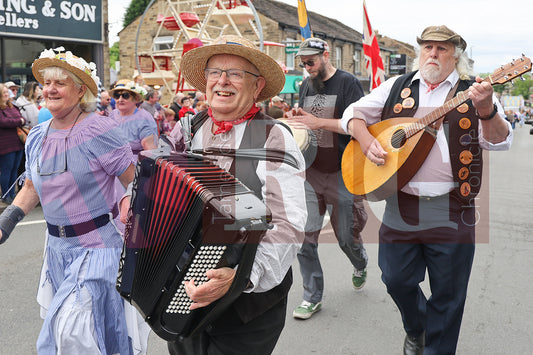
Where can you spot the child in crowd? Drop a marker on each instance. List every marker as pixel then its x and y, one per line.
pixel 168 122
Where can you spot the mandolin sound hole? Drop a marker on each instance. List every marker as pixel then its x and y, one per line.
pixel 398 139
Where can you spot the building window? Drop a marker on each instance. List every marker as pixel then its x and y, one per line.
pixel 338 57
pixel 291 58
pixel 163 43
pixel 357 61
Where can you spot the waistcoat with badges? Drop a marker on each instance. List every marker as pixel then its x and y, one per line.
pixel 460 127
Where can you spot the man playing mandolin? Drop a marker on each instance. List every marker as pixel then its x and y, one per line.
pixel 429 223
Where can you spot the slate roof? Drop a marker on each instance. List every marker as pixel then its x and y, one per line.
pixel 322 26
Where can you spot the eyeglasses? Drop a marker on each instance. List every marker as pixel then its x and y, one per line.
pixel 52 172
pixel 126 95
pixel 64 151
pixel 233 75
pixel 309 63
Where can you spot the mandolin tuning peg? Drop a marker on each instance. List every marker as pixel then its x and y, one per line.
pixel 522 78
pixel 512 83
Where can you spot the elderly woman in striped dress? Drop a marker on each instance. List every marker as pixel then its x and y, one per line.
pixel 72 161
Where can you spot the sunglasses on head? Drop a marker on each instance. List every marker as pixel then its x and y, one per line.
pixel 126 95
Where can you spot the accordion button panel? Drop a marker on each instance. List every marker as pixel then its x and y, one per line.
pixel 205 259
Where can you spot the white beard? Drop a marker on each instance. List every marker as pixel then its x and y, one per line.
pixel 431 74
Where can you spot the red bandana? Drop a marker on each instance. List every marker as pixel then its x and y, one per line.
pixel 431 87
pixel 225 126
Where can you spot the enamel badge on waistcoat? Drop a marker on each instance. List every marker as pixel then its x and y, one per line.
pixel 465 177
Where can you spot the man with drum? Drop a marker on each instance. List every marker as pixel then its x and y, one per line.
pixel 324 96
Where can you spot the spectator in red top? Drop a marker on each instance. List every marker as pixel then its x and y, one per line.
pixel 186 108
pixel 11 148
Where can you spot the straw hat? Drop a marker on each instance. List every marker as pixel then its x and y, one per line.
pixel 195 60
pixel 127 85
pixel 66 60
pixel 441 34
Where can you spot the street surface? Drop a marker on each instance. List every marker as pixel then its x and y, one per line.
pixel 498 316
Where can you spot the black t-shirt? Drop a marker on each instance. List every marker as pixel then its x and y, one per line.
pixel 339 92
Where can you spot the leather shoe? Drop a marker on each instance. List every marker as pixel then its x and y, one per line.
pixel 413 345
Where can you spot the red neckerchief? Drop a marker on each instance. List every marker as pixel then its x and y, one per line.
pixel 431 87
pixel 225 126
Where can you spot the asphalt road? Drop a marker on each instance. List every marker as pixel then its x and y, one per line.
pixel 498 316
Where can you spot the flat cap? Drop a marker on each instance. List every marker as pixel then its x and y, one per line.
pixel 441 34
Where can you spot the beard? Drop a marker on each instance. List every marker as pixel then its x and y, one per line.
pixel 317 82
pixel 430 73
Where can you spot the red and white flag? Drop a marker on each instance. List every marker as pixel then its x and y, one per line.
pixel 374 62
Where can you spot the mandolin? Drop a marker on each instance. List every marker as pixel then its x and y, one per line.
pixel 407 141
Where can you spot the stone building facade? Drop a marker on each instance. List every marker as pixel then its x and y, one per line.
pixel 280 25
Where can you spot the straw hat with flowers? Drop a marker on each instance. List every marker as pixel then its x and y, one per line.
pixel 127 85
pixel 68 61
pixel 194 62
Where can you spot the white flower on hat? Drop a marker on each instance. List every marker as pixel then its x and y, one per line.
pixel 131 85
pixel 47 53
pixel 68 57
pixel 140 90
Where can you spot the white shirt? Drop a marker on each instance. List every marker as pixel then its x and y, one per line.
pixel 29 110
pixel 434 178
pixel 283 193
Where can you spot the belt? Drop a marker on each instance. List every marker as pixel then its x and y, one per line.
pixel 82 228
pixel 402 194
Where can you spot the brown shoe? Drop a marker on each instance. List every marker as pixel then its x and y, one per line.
pixel 413 345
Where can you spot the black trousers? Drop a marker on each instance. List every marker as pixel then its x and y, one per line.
pixel 229 335
pixel 433 235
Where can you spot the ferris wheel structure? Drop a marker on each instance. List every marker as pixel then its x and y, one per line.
pixel 192 23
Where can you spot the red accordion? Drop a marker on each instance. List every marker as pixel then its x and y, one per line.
pixel 187 216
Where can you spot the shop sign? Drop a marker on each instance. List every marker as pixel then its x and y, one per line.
pixel 55 19
pixel 397 64
pixel 290 47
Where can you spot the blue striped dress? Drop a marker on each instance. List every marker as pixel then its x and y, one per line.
pixel 96 153
pixel 136 127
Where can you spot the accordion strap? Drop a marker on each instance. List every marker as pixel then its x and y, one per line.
pixel 275 155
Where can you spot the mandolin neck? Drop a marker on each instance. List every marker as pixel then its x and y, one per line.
pixel 436 114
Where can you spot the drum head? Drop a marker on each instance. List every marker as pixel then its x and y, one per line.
pixel 306 141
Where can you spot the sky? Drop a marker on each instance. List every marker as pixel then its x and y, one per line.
pixel 496 32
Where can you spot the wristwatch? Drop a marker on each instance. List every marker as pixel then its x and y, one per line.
pixel 489 117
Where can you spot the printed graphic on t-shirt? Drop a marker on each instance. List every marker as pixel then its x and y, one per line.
pixel 321 106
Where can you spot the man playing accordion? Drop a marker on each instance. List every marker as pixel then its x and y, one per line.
pixel 235 75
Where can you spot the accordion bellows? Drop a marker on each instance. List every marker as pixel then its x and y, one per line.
pixel 187 216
